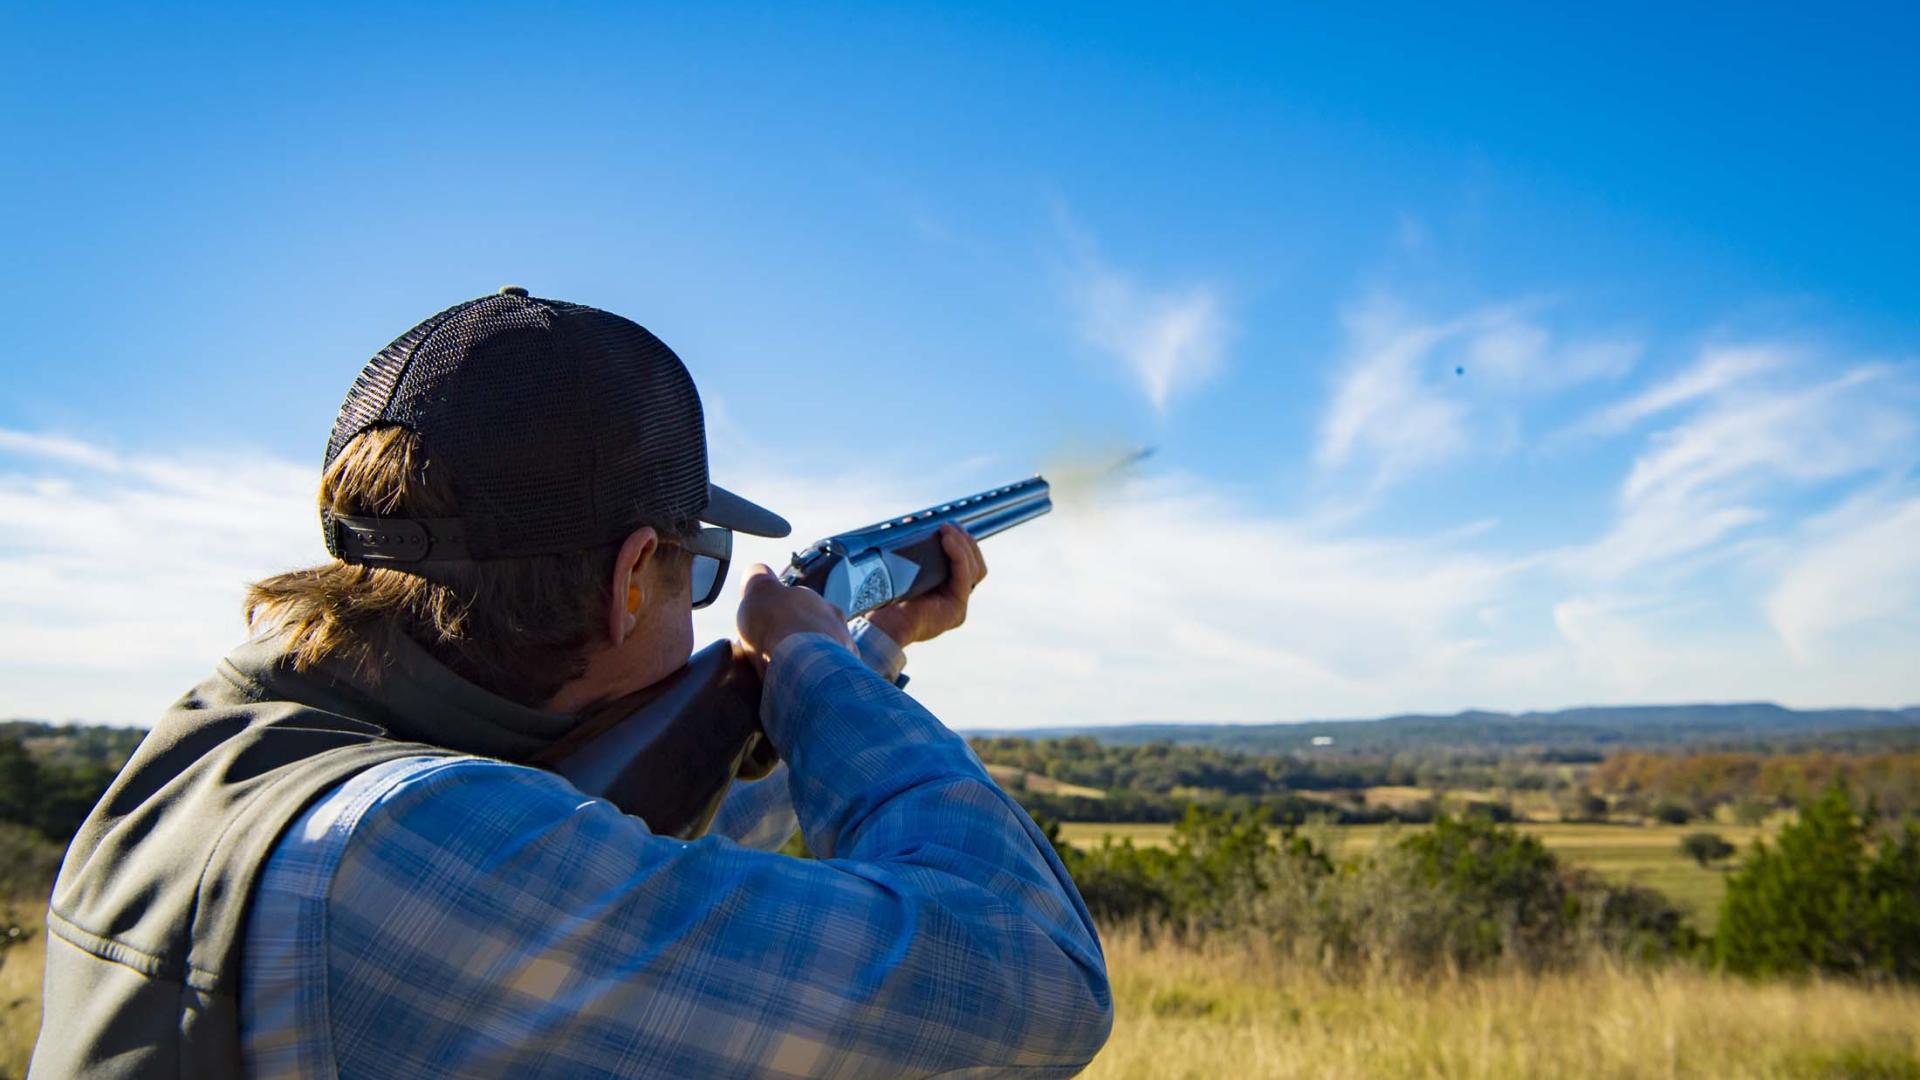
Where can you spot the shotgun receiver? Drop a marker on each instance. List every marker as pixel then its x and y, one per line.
pixel 667 754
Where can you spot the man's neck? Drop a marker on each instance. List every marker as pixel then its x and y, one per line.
pixel 614 672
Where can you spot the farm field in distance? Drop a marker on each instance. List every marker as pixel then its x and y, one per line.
pixel 1640 854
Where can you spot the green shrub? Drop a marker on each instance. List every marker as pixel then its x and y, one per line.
pixel 1630 922
pixel 1585 806
pixel 1219 860
pixel 1706 847
pixel 1893 898
pixel 1672 813
pixel 28 862
pixel 1506 890
pixel 1500 813
pixel 1466 893
pixel 1818 901
pixel 53 796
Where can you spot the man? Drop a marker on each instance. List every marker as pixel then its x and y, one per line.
pixel 327 858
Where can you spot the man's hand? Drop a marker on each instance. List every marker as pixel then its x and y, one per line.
pixel 931 614
pixel 770 613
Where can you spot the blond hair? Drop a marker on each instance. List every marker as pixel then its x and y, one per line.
pixel 519 627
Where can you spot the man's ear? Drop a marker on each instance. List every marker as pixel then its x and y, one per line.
pixel 627 593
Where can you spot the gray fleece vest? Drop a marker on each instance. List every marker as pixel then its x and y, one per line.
pixel 149 912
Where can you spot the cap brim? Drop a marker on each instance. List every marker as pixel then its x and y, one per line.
pixel 730 511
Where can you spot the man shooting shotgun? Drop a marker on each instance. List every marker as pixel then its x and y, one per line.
pixel 705 718
pixel 356 849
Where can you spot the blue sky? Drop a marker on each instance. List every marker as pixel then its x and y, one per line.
pixel 1514 359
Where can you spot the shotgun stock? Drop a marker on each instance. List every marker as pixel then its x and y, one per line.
pixel 668 753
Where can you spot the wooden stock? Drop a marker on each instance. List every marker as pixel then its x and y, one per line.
pixel 667 754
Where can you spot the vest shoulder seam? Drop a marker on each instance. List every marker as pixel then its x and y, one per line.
pixel 114 951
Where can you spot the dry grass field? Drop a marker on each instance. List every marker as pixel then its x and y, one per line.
pixel 1232 1012
pixel 1642 854
pixel 1228 1011
pixel 1012 778
pixel 20 1003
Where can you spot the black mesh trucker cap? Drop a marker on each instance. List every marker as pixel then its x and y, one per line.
pixel 564 427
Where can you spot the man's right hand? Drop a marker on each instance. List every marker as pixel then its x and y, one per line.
pixel 771 612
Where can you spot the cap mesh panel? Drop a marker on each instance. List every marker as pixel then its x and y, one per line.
pixel 562 426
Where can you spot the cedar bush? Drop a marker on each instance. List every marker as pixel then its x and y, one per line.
pixel 1819 900
pixel 1706 848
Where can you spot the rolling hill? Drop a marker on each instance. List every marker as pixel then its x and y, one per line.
pixel 1593 729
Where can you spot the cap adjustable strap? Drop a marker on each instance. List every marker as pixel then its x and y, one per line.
pixel 396 540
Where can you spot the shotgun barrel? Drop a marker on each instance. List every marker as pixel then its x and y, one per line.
pixel 901 557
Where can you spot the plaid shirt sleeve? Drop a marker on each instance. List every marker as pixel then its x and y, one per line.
pixel 443 918
pixel 759 813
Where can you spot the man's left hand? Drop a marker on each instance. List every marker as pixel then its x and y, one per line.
pixel 931 614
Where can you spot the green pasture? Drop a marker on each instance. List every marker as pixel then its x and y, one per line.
pixel 1642 854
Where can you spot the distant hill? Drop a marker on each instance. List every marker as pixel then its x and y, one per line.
pixel 1587 729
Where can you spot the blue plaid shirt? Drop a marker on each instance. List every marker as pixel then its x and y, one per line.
pixel 460 917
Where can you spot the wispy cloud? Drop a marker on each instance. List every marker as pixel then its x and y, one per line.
pixel 58 448
pixel 1718 369
pixel 121 574
pixel 1743 444
pixel 1413 394
pixel 1858 566
pixel 1169 339
pixel 1726 465
pixel 1389 411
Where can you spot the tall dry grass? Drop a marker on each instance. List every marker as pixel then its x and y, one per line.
pixel 20 1002
pixel 1236 1010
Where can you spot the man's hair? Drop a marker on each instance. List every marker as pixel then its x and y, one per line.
pixel 519 627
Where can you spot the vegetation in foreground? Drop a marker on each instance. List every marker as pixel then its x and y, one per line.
pixel 1647 855
pixel 20 965
pixel 1464 894
pixel 1469 894
pixel 1468 950
pixel 1217 1009
pixel 1210 1010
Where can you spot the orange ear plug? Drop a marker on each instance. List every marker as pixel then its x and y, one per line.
pixel 633 598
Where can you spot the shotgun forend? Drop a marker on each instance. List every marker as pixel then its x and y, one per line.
pixel 668 754
pixel 901 557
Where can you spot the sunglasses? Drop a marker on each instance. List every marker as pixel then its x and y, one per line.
pixel 712 550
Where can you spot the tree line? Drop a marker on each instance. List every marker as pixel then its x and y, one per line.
pixel 1164 767
pixel 1885 781
pixel 50 777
